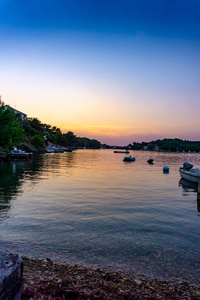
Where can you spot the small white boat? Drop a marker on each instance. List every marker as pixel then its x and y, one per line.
pixel 54 149
pixel 50 149
pixel 129 158
pixel 192 175
pixel 17 151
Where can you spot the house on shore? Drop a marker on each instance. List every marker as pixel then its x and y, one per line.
pixel 18 113
pixel 156 148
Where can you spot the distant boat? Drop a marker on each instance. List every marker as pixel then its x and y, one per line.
pixel 121 151
pixel 17 153
pixel 85 145
pixel 53 149
pixel 129 158
pixel 67 150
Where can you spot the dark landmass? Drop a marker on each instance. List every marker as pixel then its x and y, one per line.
pixel 169 145
pixel 45 279
pixel 30 133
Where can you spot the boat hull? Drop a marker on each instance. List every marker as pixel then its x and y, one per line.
pixel 191 175
pixel 129 159
pixel 121 151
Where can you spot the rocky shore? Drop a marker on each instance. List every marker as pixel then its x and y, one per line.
pixel 45 279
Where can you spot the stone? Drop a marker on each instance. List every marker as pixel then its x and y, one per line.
pixel 11 276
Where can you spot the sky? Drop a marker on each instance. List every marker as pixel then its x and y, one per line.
pixel 119 71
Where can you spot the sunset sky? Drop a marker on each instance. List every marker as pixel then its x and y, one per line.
pixel 114 70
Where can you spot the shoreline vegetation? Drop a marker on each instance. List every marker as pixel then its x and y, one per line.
pixel 31 135
pixel 45 279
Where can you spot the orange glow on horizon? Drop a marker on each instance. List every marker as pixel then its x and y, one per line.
pixel 100 132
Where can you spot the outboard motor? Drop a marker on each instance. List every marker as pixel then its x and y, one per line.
pixel 187 166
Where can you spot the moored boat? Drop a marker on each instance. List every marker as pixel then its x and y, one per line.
pixel 121 151
pixel 129 158
pixel 67 150
pixel 192 175
pixel 54 149
pixel 17 151
pixel 18 154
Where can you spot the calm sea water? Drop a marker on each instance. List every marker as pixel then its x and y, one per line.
pixel 90 207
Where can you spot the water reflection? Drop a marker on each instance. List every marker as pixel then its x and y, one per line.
pixel 14 173
pixel 10 182
pixel 54 161
pixel 188 186
pixel 12 176
pixel 35 166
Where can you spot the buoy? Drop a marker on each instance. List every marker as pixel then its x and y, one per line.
pixel 150 161
pixel 166 169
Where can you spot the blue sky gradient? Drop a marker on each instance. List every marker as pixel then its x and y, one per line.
pixel 117 71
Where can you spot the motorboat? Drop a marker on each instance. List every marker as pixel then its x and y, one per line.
pixel 192 175
pixel 67 150
pixel 129 158
pixel 54 149
pixel 17 151
pixel 51 149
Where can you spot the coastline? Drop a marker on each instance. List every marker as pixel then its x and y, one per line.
pixel 45 279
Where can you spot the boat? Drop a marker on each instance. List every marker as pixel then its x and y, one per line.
pixel 192 175
pixel 17 153
pixel 129 158
pixel 121 151
pixel 50 149
pixel 54 149
pixel 67 150
pixel 59 150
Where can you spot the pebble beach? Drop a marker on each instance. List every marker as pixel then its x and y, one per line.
pixel 45 279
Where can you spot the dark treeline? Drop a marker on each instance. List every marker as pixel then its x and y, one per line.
pixel 32 132
pixel 172 145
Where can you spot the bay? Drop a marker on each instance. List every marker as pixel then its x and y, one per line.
pixel 89 207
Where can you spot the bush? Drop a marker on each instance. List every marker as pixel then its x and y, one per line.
pixel 38 141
